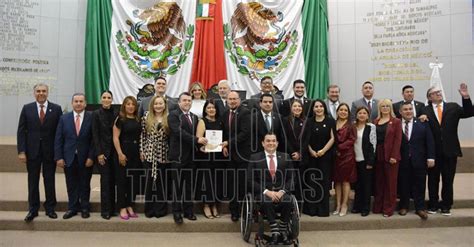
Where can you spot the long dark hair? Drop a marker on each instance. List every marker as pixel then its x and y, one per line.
pixel 324 107
pixel 123 113
pixel 209 101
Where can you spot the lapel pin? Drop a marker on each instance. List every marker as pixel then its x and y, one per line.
pixel 324 125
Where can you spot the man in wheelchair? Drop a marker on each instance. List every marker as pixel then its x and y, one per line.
pixel 271 181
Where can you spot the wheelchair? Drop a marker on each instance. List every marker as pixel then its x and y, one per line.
pixel 252 213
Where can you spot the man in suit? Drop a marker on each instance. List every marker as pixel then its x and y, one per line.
pixel 443 118
pixel 73 151
pixel 221 101
pixel 266 86
pixel 35 144
pixel 160 89
pixel 266 121
pixel 183 144
pixel 236 145
pixel 408 93
pixel 367 100
pixel 417 153
pixel 332 100
pixel 271 180
pixel 299 90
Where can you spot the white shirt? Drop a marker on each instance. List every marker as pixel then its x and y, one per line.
pixel 371 102
pixel 197 106
pixel 81 117
pixel 359 154
pixel 435 109
pixel 224 102
pixel 44 108
pixel 333 108
pixel 268 165
pixel 410 127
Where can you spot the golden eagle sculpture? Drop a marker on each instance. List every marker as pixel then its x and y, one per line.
pixel 165 22
pixel 253 23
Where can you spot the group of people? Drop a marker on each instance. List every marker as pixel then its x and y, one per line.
pixel 303 147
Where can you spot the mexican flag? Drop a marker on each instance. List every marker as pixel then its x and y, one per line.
pixel 276 39
pixel 128 43
pixel 147 39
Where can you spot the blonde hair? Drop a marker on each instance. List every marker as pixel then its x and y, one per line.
pixel 385 102
pixel 197 85
pixel 150 124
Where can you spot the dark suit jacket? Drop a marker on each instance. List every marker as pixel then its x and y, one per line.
pixel 393 139
pixel 368 149
pixel 286 107
pixel 260 174
pixel 102 131
pixel 220 106
pixel 238 134
pixel 171 102
pixel 67 141
pixel 183 140
pixel 420 146
pixel 418 108
pixel 259 130
pixel 31 132
pixel 361 102
pixel 446 133
pixel 294 142
pixel 254 102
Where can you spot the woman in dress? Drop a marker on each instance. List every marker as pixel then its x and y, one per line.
pixel 389 138
pixel 364 148
pixel 126 136
pixel 154 146
pixel 345 166
pixel 102 124
pixel 320 137
pixel 294 126
pixel 210 167
pixel 199 96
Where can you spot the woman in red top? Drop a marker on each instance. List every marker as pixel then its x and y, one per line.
pixel 345 171
pixel 389 138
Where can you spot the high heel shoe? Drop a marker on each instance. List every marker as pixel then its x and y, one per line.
pixel 215 213
pixel 343 212
pixel 133 215
pixel 126 217
pixel 207 212
pixel 336 212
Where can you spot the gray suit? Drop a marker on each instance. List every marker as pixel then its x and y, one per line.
pixel 172 104
pixel 361 102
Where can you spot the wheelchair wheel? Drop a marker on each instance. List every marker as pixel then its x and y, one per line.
pixel 246 218
pixel 294 224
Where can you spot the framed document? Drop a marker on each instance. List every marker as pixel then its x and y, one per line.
pixel 214 141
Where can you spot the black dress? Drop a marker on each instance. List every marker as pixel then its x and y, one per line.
pixel 210 170
pixel 128 176
pixel 317 176
pixel 102 124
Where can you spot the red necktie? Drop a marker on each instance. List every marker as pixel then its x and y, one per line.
pixel 369 106
pixel 272 166
pixel 407 135
pixel 189 120
pixel 42 114
pixel 78 124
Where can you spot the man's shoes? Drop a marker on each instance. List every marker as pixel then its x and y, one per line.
pixel 234 217
pixel 403 212
pixel 284 238
pixel 190 216
pixel 178 219
pixel 432 211
pixel 364 214
pixel 355 211
pixel 69 214
pixel 274 239
pixel 85 214
pixel 52 215
pixel 30 216
pixel 105 216
pixel 445 212
pixel 423 215
pixel 149 215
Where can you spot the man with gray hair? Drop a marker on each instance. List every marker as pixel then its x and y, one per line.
pixel 35 143
pixel 221 101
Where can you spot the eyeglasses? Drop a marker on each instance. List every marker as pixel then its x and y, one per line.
pixel 436 92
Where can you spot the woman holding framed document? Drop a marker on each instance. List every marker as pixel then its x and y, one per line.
pixel 209 160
